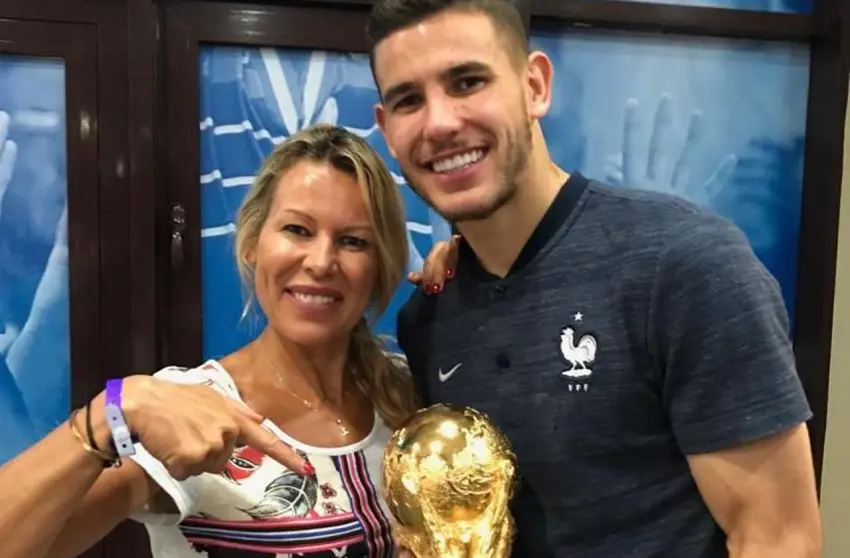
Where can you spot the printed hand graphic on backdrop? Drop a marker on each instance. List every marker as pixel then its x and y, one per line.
pixel 8 157
pixel 14 416
pixel 664 172
pixel 37 354
pixel 767 183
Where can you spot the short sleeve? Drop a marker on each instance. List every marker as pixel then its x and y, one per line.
pixel 185 493
pixel 718 331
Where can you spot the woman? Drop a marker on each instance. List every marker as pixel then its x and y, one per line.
pixel 320 243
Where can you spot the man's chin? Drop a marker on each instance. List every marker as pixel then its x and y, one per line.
pixel 469 212
pixel 474 207
pixel 470 204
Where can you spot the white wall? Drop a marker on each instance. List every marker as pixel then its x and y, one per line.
pixel 835 486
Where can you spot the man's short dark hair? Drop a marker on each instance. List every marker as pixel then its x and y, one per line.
pixel 389 16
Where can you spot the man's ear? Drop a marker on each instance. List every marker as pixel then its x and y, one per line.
pixel 380 118
pixel 540 72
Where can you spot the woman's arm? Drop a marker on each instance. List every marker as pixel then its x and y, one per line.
pixel 115 496
pixel 58 500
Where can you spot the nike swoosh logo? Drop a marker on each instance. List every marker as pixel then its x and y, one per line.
pixel 445 376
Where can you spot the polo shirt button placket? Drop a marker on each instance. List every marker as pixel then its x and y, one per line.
pixel 499 292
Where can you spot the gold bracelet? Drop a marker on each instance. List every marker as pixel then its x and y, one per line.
pixel 105 458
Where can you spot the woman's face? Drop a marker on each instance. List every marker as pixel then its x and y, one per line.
pixel 315 262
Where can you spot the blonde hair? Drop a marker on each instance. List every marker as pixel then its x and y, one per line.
pixel 383 378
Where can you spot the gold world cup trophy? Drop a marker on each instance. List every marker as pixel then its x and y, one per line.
pixel 448 477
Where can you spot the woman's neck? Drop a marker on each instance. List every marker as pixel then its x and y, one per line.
pixel 312 373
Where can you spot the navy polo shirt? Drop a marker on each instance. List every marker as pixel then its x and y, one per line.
pixel 634 329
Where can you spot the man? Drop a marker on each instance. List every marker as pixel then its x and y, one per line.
pixel 632 348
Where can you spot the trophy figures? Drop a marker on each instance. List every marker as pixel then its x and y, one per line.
pixel 448 477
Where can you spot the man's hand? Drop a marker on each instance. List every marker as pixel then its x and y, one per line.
pixel 192 429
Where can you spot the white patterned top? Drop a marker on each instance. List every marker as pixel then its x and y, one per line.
pixel 261 508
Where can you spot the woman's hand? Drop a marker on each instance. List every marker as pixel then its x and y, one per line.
pixel 439 266
pixel 192 429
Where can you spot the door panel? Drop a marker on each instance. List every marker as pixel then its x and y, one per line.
pixel 49 251
pixel 34 272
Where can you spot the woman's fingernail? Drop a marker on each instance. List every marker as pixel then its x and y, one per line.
pixel 309 469
pixel 437 288
pixel 450 273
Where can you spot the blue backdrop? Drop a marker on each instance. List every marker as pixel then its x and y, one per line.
pixel 727 116
pixel 733 112
pixel 34 327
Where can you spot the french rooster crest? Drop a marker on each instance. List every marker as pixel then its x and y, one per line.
pixel 579 355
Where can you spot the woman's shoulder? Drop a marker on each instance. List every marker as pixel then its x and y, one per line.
pixel 210 373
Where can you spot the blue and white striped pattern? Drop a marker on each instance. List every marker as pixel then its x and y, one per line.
pixel 252 99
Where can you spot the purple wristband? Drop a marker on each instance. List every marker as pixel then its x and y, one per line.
pixel 113 391
pixel 121 436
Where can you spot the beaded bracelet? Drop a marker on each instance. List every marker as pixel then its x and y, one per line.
pixel 106 459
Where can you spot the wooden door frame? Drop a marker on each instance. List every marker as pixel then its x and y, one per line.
pixel 111 216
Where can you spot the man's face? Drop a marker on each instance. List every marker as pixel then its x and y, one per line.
pixel 457 111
